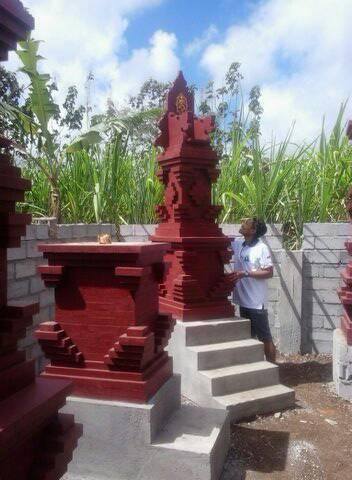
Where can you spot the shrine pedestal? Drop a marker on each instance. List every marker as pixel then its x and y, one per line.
pixel 342 364
pixel 108 337
pixel 222 367
pixel 151 441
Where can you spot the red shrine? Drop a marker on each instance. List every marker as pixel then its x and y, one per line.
pixel 345 293
pixel 195 286
pixel 108 336
pixel 35 441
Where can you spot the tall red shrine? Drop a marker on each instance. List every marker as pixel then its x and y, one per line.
pixel 345 292
pixel 108 336
pixel 35 441
pixel 195 286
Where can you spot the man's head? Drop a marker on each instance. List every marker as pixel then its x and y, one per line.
pixel 252 228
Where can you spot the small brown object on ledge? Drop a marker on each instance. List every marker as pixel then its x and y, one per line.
pixel 104 238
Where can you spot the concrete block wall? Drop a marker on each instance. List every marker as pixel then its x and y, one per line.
pixel 303 304
pixel 324 257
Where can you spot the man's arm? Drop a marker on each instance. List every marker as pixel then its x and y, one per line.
pixel 262 274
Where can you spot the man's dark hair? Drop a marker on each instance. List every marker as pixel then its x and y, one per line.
pixel 260 227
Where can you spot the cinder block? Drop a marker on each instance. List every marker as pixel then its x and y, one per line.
pixel 344 257
pixel 44 315
pixel 47 298
pixel 10 270
pixel 42 232
pixel 330 243
pixel 317 321
pixel 79 230
pixel 25 268
pixel 17 289
pixel 333 271
pixel 273 294
pixel 93 230
pixel 322 335
pixel 106 228
pixel 274 243
pixel 322 256
pixel 36 285
pixel 64 232
pixel 32 249
pixel 136 239
pixel 308 243
pixel 321 346
pixel 228 229
pixel 331 322
pixel 326 229
pixel 17 253
pixel 126 230
pixel 318 284
pixel 31 232
pixel 143 230
pixel 314 307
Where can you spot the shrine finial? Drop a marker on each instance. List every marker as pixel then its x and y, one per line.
pixel 180 98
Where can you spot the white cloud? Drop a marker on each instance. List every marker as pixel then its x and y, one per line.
pixel 299 53
pixel 87 35
pixel 199 43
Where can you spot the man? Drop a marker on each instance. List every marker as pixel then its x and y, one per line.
pixel 253 267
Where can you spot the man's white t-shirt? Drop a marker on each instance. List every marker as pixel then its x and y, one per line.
pixel 251 292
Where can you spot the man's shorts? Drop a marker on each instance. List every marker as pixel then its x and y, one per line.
pixel 259 323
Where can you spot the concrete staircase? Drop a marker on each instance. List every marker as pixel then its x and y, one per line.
pixel 222 367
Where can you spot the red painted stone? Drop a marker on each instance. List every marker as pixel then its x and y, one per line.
pixel 195 286
pixel 35 441
pixel 30 427
pixel 345 292
pixel 108 336
pixel 15 25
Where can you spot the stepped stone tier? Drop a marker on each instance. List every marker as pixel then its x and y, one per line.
pixel 35 441
pixel 108 336
pixel 15 24
pixel 195 285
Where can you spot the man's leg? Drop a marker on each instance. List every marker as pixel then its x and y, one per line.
pixel 246 313
pixel 260 324
pixel 270 351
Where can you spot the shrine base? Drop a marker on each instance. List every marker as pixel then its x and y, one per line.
pixel 222 367
pixel 153 441
pixel 342 365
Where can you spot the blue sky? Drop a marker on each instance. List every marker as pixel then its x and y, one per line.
pixel 297 51
pixel 188 19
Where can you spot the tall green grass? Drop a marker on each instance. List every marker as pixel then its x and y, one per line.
pixel 280 182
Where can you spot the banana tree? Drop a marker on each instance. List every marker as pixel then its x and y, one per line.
pixel 47 156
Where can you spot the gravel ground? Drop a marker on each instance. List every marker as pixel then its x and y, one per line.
pixel 310 442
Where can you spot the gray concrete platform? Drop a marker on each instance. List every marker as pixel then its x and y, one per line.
pixel 222 367
pixel 342 365
pixel 153 441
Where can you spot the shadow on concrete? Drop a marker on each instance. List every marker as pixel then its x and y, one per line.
pixel 293 374
pixel 255 450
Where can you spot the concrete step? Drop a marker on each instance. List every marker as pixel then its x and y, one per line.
pixel 257 401
pixel 195 442
pixel 238 378
pixel 216 331
pixel 224 354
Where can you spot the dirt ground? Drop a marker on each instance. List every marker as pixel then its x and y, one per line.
pixel 313 441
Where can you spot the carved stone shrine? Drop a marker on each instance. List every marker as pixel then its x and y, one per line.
pixel 108 336
pixel 195 285
pixel 342 337
pixel 345 293
pixel 35 441
pixel 31 430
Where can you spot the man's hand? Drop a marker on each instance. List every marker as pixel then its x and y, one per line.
pixel 239 274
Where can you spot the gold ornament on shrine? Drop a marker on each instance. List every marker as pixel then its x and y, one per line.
pixel 181 103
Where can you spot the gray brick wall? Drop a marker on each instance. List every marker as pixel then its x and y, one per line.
pixel 303 304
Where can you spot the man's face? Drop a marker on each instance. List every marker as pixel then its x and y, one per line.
pixel 247 229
